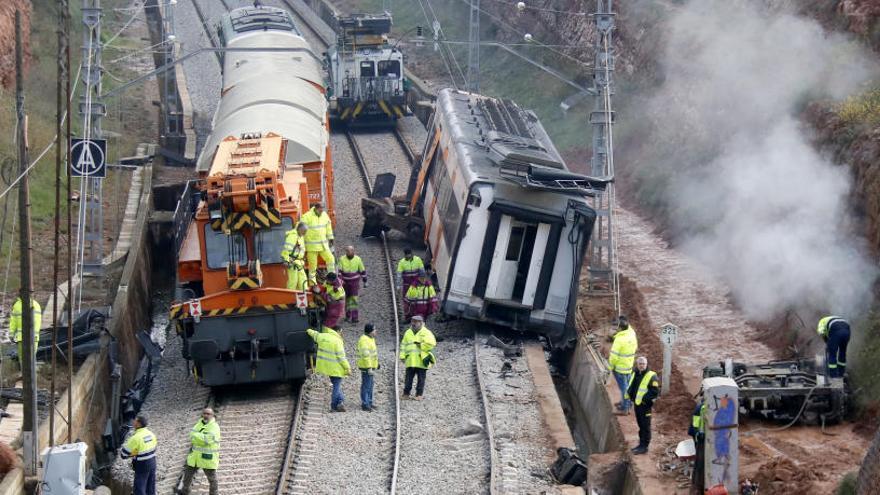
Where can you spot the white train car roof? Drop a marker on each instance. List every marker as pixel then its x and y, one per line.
pixel 280 92
pixel 497 141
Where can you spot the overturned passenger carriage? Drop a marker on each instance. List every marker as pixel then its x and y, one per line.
pixel 266 161
pixel 505 222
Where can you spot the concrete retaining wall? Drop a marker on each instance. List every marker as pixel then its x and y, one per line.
pixel 593 410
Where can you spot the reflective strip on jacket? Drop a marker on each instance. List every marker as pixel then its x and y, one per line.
pixel 330 359
pixel 409 268
pixel 417 293
pixel 294 246
pixel 141 445
pixel 649 380
pixel 335 292
pixel 825 325
pixel 623 351
pixel 15 323
pixel 415 347
pixel 367 353
pixel 205 450
pixel 351 269
pixel 320 230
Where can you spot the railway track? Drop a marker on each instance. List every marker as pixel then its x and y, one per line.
pixel 259 422
pixel 313 33
pixel 203 20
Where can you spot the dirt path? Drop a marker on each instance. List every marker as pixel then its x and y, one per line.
pixel 663 285
pixel 677 290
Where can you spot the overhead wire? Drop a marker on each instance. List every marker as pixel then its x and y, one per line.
pixel 442 54
pixel 541 9
pixel 443 34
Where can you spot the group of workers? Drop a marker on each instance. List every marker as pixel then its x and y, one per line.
pixel 204 453
pixel 640 387
pixel 339 293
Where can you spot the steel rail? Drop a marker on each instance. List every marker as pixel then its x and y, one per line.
pixel 290 450
pixel 365 175
pixel 490 431
pixel 203 20
pixel 305 22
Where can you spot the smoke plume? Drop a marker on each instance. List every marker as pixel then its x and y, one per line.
pixel 742 183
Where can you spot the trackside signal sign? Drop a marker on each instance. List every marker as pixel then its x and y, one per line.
pixel 88 158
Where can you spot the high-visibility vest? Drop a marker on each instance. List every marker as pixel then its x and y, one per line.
pixel 418 293
pixel 294 246
pixel 335 292
pixel 351 269
pixel 623 351
pixel 330 359
pixel 697 419
pixel 643 385
pixel 205 450
pixel 825 324
pixel 410 268
pixel 15 323
pixel 141 445
pixel 416 346
pixel 320 230
pixel 367 353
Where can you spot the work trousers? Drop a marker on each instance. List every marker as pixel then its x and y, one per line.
pixel 190 471
pixel 144 477
pixel 835 350
pixel 312 259
pixel 623 384
pixel 367 388
pixel 336 397
pixel 643 419
pixel 411 373
pixel 296 280
pixel 699 464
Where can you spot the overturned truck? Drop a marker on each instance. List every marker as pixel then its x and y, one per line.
pixel 793 390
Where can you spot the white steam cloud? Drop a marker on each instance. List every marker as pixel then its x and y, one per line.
pixel 756 202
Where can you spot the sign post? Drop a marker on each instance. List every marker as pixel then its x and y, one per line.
pixel 668 335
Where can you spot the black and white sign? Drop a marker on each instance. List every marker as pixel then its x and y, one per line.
pixel 88 158
pixel 668 334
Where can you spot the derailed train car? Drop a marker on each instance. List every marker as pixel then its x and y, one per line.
pixel 266 161
pixel 505 222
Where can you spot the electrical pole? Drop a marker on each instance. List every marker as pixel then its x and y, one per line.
pixel 27 357
pixel 473 72
pixel 603 279
pixel 60 155
pixel 93 110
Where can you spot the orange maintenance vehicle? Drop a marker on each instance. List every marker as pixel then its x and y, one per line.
pixel 265 163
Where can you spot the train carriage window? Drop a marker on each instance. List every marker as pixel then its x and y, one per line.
pixel 368 69
pixel 220 249
pixel 389 68
pixel 270 243
pixel 514 246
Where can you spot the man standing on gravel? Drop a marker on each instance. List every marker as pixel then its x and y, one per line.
pixel 408 270
pixel 620 360
pixel 331 362
pixel 415 351
pixel 367 362
pixel 204 453
pixel 644 388
pixel 352 272
pixel 141 448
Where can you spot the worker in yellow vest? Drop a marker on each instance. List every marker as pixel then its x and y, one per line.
pixel 293 254
pixel 16 325
pixel 204 453
pixel 331 362
pixel 368 363
pixel 141 449
pixel 318 240
pixel 416 352
pixel 352 272
pixel 621 358
pixel 644 388
pixel 421 297
pixel 408 270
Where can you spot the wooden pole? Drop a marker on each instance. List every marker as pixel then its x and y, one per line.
pixel 27 357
